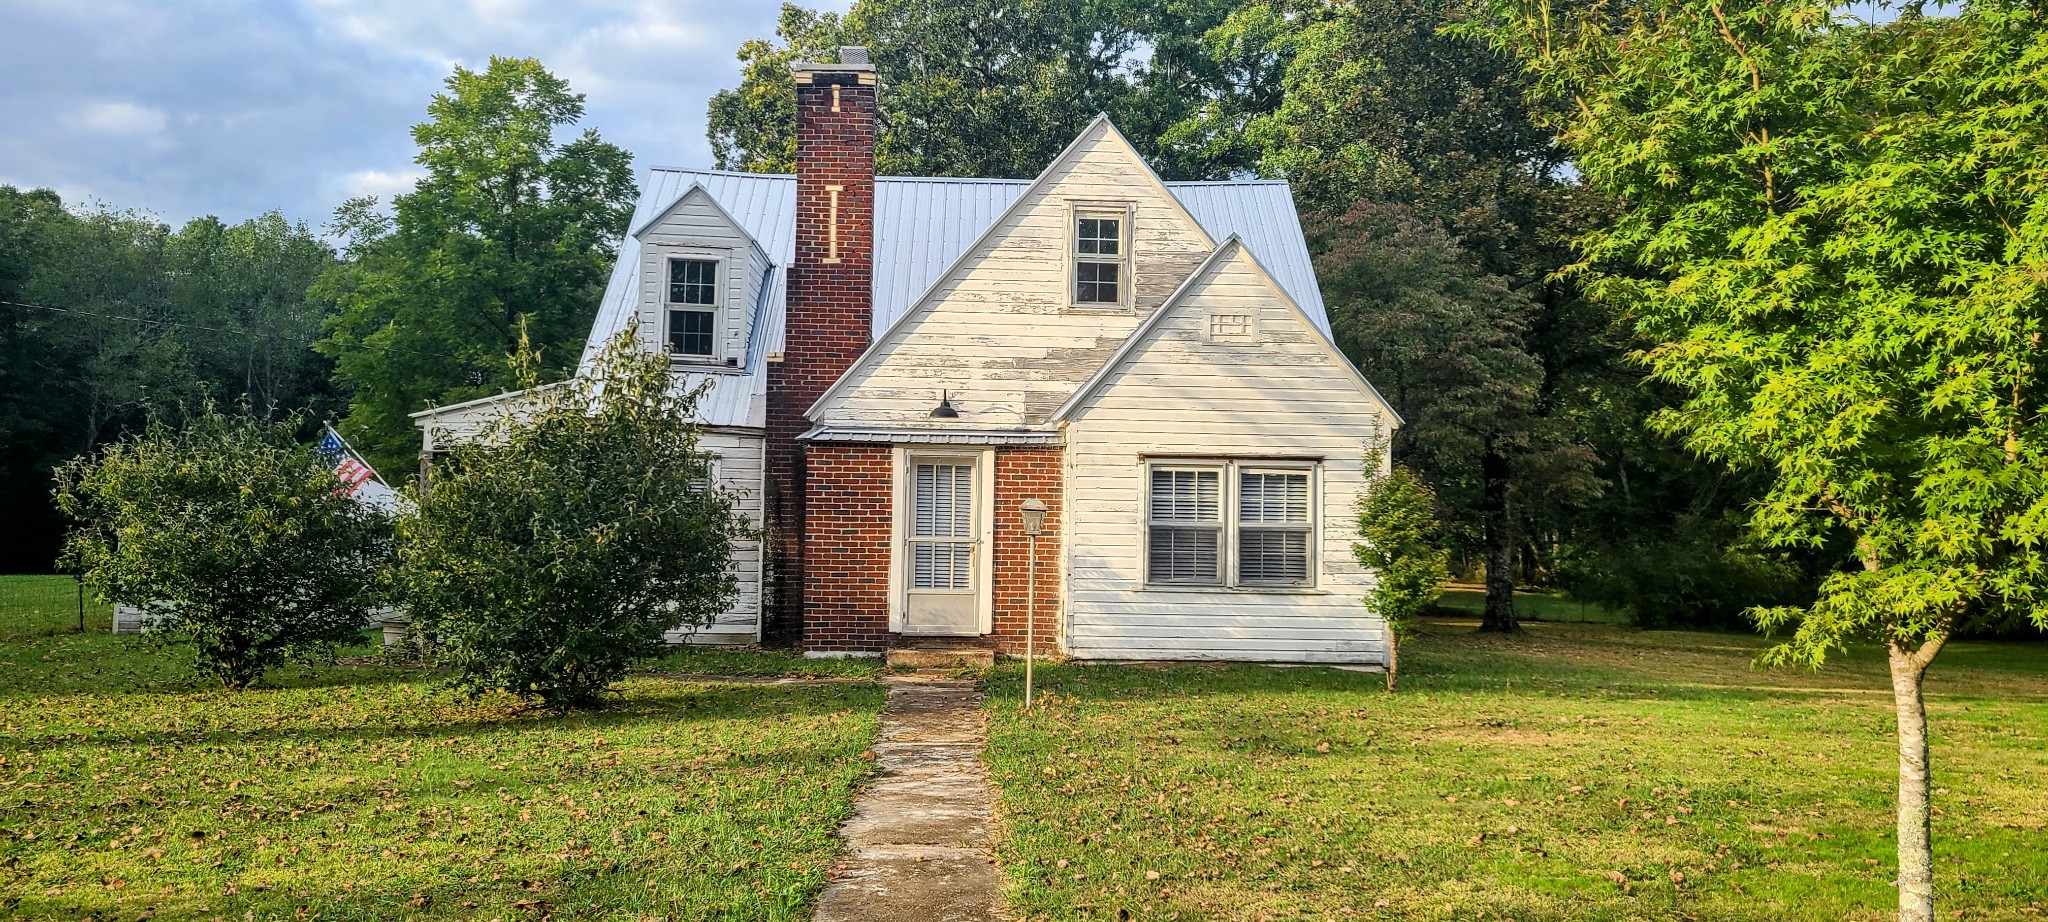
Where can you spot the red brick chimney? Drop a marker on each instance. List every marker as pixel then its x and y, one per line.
pixel 830 290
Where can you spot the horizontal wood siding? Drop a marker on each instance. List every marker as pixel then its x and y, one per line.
pixel 1179 393
pixel 739 471
pixel 999 335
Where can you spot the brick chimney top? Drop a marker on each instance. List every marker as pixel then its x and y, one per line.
pixel 853 60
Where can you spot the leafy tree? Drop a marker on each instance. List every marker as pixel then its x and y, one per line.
pixel 1397 518
pixel 111 312
pixel 251 280
pixel 550 555
pixel 232 534
pixel 1444 341
pixel 986 87
pixel 1406 143
pixel 510 226
pixel 1847 243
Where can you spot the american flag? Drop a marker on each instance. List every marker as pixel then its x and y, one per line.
pixel 351 469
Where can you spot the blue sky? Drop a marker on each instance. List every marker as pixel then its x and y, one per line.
pixel 235 107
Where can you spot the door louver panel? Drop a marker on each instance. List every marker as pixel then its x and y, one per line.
pixel 942 498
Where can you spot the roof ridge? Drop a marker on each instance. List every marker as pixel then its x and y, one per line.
pixel 981 180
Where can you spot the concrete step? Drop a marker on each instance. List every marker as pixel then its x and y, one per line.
pixel 941 656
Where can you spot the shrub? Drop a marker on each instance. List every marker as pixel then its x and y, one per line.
pixel 1397 517
pixel 233 535
pixel 556 550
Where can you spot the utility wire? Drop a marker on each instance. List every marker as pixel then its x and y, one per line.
pixel 202 327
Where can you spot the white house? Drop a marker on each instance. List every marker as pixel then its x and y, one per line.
pixel 895 365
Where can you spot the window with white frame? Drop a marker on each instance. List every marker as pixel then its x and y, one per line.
pixel 693 307
pixel 1230 523
pixel 1101 258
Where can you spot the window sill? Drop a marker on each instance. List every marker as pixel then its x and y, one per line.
pixel 1243 590
pixel 709 365
pixel 1096 309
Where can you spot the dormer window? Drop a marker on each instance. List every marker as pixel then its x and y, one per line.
pixel 1101 258
pixel 692 307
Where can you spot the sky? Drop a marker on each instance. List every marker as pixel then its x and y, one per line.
pixel 233 108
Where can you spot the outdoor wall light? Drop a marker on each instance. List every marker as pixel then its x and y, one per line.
pixel 945 408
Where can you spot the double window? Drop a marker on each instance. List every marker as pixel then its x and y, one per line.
pixel 1230 524
pixel 1101 257
pixel 692 307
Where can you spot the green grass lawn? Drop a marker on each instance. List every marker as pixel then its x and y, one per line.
pixel 1578 772
pixel 130 791
pixel 1534 606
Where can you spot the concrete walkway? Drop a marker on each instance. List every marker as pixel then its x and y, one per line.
pixel 917 847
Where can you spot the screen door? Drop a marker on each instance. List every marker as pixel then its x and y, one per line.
pixel 942 588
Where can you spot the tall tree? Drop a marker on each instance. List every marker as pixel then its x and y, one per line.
pixel 510 223
pixel 985 87
pixel 1409 147
pixel 1845 227
pixel 252 279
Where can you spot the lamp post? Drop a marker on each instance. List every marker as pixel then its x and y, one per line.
pixel 1034 522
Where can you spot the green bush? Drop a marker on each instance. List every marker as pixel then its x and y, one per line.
pixel 1397 517
pixel 549 555
pixel 233 535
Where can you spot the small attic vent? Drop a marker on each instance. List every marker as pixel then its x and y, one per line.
pixel 856 55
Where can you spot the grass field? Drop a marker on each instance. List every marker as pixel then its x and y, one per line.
pixel 129 791
pixel 1580 772
pixel 1534 606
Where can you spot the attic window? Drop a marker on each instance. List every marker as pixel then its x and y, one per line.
pixel 1101 258
pixel 692 307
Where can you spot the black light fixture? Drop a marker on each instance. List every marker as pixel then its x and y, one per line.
pixel 945 408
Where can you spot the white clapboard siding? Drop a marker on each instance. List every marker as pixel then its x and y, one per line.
pixel 739 459
pixel 998 334
pixel 1175 392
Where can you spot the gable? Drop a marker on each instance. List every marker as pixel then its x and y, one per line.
pixel 1231 341
pixel 997 333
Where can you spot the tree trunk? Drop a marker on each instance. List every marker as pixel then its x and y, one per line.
pixel 1494 514
pixel 1916 848
pixel 1393 659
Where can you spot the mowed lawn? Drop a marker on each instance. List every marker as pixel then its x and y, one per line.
pixel 1579 772
pixel 130 791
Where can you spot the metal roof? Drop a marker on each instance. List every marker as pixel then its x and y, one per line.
pixel 921 227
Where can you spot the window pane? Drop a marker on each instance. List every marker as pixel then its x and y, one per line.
pixel 1183 554
pixel 943 501
pixel 1108 234
pixel 1187 496
pixel 1275 497
pixel 689 332
pixel 1272 557
pixel 692 281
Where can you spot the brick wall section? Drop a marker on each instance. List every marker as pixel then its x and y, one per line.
pixel 1021 473
pixel 846 548
pixel 829 305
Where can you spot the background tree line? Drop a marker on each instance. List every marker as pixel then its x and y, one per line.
pixel 113 316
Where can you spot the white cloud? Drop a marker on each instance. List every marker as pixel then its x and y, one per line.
pixel 124 118
pixel 381 183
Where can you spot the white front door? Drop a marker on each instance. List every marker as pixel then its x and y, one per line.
pixel 944 561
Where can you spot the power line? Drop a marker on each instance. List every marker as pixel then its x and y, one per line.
pixel 204 328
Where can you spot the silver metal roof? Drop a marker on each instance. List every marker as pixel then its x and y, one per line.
pixel 921 227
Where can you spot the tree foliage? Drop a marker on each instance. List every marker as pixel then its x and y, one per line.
pixel 547 557
pixel 988 88
pixel 1841 241
pixel 1403 548
pixel 111 311
pixel 510 226
pixel 230 533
